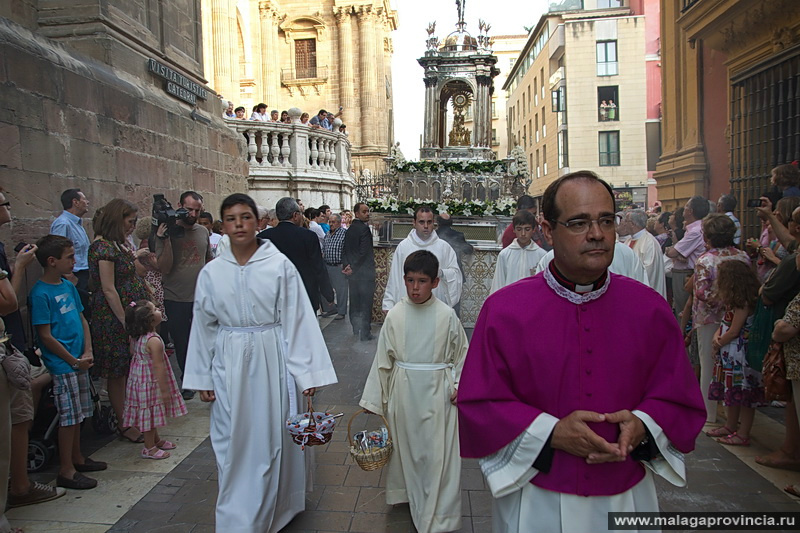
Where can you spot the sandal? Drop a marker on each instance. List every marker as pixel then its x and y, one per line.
pixel 122 432
pixel 734 440
pixel 791 489
pixel 164 444
pixel 154 453
pixel 723 431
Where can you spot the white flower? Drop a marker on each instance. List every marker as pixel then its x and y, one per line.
pixel 441 208
pixel 440 168
pixel 477 202
pixel 409 210
pixel 394 207
pixel 467 212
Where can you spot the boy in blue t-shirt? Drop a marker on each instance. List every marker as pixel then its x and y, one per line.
pixel 57 314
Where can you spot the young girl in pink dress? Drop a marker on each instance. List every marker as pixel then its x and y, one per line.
pixel 152 393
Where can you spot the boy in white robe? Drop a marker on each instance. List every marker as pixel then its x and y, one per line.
pixel 255 343
pixel 413 383
pixel 520 258
pixel 423 237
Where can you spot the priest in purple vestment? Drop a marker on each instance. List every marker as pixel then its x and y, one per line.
pixel 576 386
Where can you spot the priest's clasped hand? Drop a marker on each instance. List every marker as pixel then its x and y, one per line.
pixel 631 434
pixel 572 435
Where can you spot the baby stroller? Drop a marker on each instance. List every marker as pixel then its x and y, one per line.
pixel 43 437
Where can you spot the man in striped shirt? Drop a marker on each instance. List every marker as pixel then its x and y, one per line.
pixel 332 255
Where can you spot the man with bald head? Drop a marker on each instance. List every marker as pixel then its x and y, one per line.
pixel 645 246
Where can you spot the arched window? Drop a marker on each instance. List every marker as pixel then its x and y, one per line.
pixel 481 192
pixel 467 194
pixel 422 191
pixel 437 191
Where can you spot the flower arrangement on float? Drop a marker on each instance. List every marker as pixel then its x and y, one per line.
pixel 442 166
pixel 477 208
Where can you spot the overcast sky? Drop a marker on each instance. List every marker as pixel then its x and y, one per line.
pixel 505 16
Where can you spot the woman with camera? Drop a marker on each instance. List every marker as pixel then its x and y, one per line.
pixel 114 283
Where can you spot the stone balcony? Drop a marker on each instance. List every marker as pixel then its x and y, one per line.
pixel 298 161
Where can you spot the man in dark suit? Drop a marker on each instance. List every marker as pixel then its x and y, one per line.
pixel 301 247
pixel 359 267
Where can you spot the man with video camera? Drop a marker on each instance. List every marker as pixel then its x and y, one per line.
pixel 180 259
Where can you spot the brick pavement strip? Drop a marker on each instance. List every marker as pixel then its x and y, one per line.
pixel 346 498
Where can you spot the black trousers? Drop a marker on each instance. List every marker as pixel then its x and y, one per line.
pixel 361 293
pixel 179 323
pixel 83 292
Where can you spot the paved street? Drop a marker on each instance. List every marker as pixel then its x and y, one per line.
pixel 178 494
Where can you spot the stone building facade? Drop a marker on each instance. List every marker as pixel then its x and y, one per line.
pixel 731 99
pixel 84 102
pixel 582 57
pixel 309 55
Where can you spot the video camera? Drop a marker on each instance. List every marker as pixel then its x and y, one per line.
pixel 163 213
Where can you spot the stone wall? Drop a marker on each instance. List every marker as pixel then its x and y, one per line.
pixel 103 124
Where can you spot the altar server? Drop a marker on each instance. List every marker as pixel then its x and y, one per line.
pixel 414 384
pixel 520 258
pixel 255 342
pixel 422 237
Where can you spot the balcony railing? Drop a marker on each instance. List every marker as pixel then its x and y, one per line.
pixel 276 148
pixel 307 73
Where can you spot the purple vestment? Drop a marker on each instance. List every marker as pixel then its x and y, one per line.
pixel 622 350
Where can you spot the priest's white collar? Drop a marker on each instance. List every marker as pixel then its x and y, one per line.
pixel 593 292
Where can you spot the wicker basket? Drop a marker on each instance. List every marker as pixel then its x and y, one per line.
pixel 310 435
pixel 376 458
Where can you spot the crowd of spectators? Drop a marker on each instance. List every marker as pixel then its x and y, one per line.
pixel 322 120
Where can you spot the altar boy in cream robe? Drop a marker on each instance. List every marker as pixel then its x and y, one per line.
pixel 519 259
pixel 422 237
pixel 413 383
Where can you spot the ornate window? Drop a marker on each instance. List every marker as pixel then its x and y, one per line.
pixel 305 58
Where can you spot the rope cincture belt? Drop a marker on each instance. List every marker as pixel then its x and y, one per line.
pixel 251 329
pixel 451 376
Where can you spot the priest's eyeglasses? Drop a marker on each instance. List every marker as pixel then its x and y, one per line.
pixel 579 226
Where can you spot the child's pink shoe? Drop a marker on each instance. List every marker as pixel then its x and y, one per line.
pixel 154 453
pixel 166 445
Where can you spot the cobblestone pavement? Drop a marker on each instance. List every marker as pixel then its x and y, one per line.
pixel 346 498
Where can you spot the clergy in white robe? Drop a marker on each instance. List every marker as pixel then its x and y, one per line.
pixel 569 397
pixel 421 350
pixel 625 263
pixel 520 258
pixel 422 237
pixel 645 246
pixel 255 342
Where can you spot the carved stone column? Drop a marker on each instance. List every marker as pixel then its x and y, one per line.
pixel 347 97
pixel 226 63
pixel 269 63
pixel 381 117
pixel 366 52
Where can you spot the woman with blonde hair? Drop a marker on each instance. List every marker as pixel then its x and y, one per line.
pixel 113 277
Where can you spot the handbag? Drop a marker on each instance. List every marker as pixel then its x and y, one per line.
pixel 776 386
pixel 760 337
pixel 17 368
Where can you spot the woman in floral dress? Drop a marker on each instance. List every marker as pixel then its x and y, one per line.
pixel 115 284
